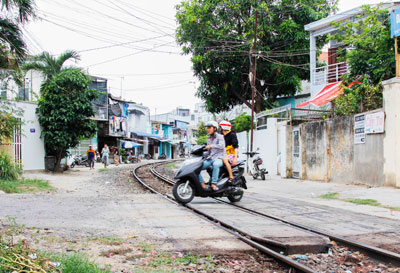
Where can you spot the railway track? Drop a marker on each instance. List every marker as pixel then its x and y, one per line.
pixel 273 248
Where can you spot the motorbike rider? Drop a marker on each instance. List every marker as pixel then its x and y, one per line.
pixel 216 152
pixel 232 147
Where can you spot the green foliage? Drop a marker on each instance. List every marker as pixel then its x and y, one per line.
pixel 372 48
pixel 7 124
pixel 202 140
pixel 50 65
pixel 359 98
pixel 219 34
pixel 242 123
pixel 79 263
pixel 24 186
pixel 201 130
pixel 12 46
pixel 8 169
pixel 64 112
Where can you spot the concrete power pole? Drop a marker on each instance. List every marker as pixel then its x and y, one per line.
pixel 253 78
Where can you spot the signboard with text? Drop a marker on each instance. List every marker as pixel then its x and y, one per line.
pixel 375 123
pixel 359 129
pixel 395 23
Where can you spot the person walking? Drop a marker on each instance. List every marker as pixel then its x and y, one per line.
pixel 116 157
pixel 105 154
pixel 90 156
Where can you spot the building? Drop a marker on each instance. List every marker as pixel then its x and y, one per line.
pixel 165 132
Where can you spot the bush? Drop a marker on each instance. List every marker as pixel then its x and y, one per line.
pixel 8 169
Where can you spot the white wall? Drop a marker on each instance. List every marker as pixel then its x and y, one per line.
pixel 33 151
pixel 267 142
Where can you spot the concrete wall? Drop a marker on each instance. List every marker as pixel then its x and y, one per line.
pixel 329 153
pixel 33 151
pixel 391 152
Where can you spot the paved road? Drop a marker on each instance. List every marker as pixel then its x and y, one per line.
pixel 93 204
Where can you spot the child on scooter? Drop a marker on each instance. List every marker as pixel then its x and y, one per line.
pixel 231 146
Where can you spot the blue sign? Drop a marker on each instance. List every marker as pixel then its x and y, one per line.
pixel 395 23
pixel 32 130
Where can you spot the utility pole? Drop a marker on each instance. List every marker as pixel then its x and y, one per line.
pixel 253 80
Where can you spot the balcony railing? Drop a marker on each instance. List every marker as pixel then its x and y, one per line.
pixel 330 73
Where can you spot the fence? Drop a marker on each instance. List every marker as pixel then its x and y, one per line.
pixel 329 73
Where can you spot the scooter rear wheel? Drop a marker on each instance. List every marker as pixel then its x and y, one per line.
pixel 263 176
pixel 183 191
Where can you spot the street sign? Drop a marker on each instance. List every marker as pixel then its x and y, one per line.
pixel 395 22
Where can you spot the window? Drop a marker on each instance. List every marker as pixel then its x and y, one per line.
pixel 23 93
pixel 192 117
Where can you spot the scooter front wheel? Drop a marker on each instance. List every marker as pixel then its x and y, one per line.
pixel 235 197
pixel 183 191
pixel 72 165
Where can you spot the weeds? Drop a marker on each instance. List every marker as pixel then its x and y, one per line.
pixel 104 170
pixel 8 169
pixel 369 202
pixel 19 257
pixel 24 186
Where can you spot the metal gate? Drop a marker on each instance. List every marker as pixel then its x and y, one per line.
pixel 17 143
pixel 296 153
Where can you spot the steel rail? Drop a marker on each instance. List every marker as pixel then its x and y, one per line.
pixel 372 251
pixel 270 252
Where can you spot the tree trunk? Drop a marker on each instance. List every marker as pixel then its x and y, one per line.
pixel 259 104
pixel 57 167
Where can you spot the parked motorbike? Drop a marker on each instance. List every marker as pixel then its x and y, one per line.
pixel 189 186
pixel 133 159
pixel 148 156
pixel 257 169
pixel 98 157
pixel 162 156
pixel 80 160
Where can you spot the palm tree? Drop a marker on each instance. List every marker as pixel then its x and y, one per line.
pixel 49 65
pixel 11 41
pixel 26 8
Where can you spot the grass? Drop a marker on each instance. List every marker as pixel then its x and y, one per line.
pixel 104 170
pixel 79 263
pixel 24 186
pixel 108 240
pixel 357 201
pixel 170 165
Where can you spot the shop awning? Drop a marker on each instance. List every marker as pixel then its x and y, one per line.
pixel 327 94
pixel 141 134
pixel 130 144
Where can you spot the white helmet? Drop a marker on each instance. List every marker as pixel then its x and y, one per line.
pixel 212 124
pixel 225 125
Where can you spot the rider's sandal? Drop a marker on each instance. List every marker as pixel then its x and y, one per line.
pixel 215 188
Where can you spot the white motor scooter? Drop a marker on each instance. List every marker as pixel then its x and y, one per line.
pixel 256 165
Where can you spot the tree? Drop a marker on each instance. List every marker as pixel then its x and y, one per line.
pixel 372 48
pixel 370 60
pixel 64 112
pixel 242 123
pixel 50 65
pixel 219 35
pixel 201 134
pixel 11 41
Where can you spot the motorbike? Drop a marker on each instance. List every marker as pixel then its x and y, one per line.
pixel 188 185
pixel 257 169
pixel 80 160
pixel 162 156
pixel 133 159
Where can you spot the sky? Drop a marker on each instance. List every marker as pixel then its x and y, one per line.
pixel 129 42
